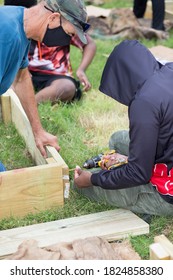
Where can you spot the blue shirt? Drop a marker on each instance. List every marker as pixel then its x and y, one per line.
pixel 2 167
pixel 14 45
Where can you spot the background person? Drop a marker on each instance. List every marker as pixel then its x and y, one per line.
pixel 158 12
pixel 52 73
pixel 133 77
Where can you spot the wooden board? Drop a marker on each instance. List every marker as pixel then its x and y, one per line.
pixel 112 225
pixel 23 126
pixel 6 109
pixel 165 243
pixel 157 252
pixel 30 190
pixel 12 111
pixel 97 11
pixel 162 53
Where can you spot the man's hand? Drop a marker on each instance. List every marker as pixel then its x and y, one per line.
pixel 88 54
pixel 83 79
pixel 43 139
pixel 82 179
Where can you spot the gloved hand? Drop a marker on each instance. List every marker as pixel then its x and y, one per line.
pixel 111 160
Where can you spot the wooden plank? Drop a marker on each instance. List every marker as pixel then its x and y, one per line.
pixel 6 108
pixel 112 225
pixel 31 189
pixel 165 243
pixel 157 252
pixel 23 126
pixel 51 151
pixel 162 53
pixel 65 170
pixel 97 11
pixel 50 160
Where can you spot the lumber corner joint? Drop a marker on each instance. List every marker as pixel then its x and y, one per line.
pixel 35 188
pixel 161 249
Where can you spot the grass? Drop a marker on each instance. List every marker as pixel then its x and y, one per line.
pixel 83 130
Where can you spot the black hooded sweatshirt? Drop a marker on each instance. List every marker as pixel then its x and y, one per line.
pixel 133 77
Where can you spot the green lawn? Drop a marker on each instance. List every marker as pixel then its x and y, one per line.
pixel 82 131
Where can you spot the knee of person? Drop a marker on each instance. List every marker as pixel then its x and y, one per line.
pixel 68 91
pixel 117 139
pixel 69 88
pixel 116 136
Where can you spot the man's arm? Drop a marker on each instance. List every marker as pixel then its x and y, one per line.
pixel 88 54
pixel 24 89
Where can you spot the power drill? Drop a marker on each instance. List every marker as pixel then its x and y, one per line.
pixel 93 162
pixel 96 161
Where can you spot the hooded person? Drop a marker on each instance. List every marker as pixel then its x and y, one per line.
pixel 144 184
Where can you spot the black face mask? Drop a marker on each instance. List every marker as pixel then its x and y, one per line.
pixel 56 37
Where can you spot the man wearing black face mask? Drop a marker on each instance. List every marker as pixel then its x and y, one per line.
pixel 56 36
pixel 51 68
pixel 18 25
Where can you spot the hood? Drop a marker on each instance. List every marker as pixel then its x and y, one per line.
pixel 128 67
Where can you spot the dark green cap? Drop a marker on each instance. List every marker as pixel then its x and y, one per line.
pixel 74 11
